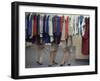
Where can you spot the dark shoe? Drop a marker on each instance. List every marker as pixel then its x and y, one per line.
pixel 69 64
pixel 50 65
pixel 39 63
pixel 62 64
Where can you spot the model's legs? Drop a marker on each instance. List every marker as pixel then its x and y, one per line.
pixel 39 55
pixel 53 55
pixel 64 57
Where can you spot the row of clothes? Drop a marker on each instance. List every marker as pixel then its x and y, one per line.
pixel 47 28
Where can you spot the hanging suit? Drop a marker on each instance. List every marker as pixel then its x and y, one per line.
pixel 38 29
pixel 28 28
pixel 26 25
pixel 30 25
pixel 56 29
pixel 46 37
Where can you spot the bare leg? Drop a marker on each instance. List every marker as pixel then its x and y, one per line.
pixel 65 54
pixel 54 57
pixel 39 55
pixel 51 57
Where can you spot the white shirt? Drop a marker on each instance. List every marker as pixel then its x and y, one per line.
pixel 51 28
pixel 76 25
pixel 41 25
pixel 71 25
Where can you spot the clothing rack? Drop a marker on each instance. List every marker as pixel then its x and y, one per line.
pixel 86 15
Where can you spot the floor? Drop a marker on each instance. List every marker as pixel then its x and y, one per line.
pixel 31 54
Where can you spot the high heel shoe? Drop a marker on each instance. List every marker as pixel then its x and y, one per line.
pixel 62 64
pixel 69 64
pixel 39 63
pixel 50 65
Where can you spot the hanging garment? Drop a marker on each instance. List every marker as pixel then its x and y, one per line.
pixel 44 20
pixel 34 28
pixel 63 28
pixel 51 28
pixel 29 25
pixel 54 24
pixel 35 25
pixel 40 40
pixel 81 25
pixel 33 36
pixel 38 29
pixel 76 25
pixel 85 38
pixel 32 15
pixel 46 37
pixel 41 25
pixel 28 28
pixel 57 25
pixel 47 24
pixel 32 24
pixel 62 24
pixel 56 28
pixel 66 28
pixel 77 42
pixel 26 25
pixel 38 24
pixel 71 25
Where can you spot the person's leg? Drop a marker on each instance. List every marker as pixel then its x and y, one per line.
pixel 39 55
pixel 64 44
pixel 68 58
pixel 53 55
pixel 51 58
pixel 70 50
pixel 64 57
